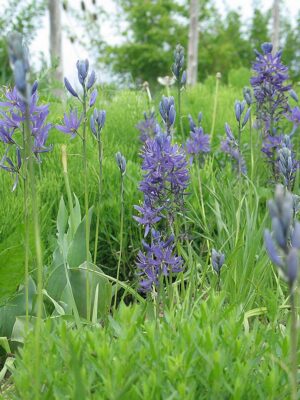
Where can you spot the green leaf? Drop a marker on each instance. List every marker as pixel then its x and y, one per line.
pixel 4 344
pixel 15 307
pixel 62 219
pixel 58 308
pixel 78 283
pixel 12 257
pixel 56 282
pixel 77 249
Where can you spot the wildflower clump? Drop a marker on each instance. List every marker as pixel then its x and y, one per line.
pixel 164 183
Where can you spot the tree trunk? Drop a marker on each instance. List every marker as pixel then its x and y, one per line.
pixel 276 25
pixel 54 7
pixel 192 62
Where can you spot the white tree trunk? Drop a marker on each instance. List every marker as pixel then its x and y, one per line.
pixel 192 62
pixel 276 25
pixel 54 7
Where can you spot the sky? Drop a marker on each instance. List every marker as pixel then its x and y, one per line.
pixel 73 52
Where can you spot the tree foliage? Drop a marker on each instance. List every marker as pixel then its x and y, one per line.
pixel 154 27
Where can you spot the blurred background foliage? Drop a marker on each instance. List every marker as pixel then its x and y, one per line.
pixel 148 33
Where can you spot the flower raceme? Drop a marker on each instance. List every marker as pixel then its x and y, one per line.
pixel 231 147
pixel 198 143
pixel 148 127
pixel 157 261
pixel 12 119
pixel 269 85
pixel 85 80
pixel 165 180
pixel 166 175
pixel 167 112
pixel 283 243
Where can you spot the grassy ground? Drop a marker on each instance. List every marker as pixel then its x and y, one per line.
pixel 214 341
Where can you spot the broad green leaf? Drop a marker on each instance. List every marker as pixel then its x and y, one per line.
pixel 15 307
pixel 62 219
pixel 56 282
pixel 78 283
pixel 77 249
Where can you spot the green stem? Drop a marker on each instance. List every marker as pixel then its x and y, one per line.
pixel 38 247
pixel 294 366
pixel 212 131
pixel 179 112
pixel 86 205
pixel 68 188
pixel 121 240
pixel 251 147
pixel 26 155
pixel 100 158
pixel 202 203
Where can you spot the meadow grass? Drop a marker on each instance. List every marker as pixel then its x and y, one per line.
pixel 215 340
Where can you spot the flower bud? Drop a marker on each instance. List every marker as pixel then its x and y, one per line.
pixel 70 88
pixel 121 162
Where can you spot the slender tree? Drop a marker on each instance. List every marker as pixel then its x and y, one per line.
pixel 54 7
pixel 276 25
pixel 192 64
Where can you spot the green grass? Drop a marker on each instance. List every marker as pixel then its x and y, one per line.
pixel 205 354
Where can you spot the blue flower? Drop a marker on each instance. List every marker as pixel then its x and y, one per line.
pixel 72 123
pixel 157 261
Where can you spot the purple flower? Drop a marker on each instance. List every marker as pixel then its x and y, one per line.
pixel 157 261
pixel 69 88
pixel 93 97
pixel 294 116
pixel 294 95
pixel 6 135
pixel 40 130
pixel 177 67
pixel 97 122
pixel 269 86
pixel 230 146
pixel 13 115
pixel 149 215
pixel 19 60
pixel 247 95
pixel 286 163
pixel 82 69
pixel 217 260
pixel 148 127
pixel 166 174
pixel 121 162
pixel 91 80
pixel 167 112
pixel 198 143
pixel 270 145
pixel 72 123
pixel 283 243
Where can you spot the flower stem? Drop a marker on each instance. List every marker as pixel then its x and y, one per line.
pixel 100 158
pixel 212 131
pixel 294 367
pixel 26 155
pixel 68 188
pixel 179 111
pixel 121 239
pixel 201 201
pixel 251 147
pixel 86 205
pixel 38 248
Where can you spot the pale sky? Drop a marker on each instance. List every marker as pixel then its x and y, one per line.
pixel 73 52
